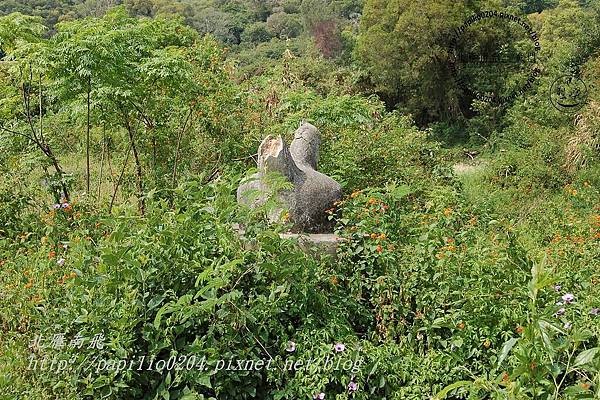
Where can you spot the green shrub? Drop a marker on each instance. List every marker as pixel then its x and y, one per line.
pixel 258 32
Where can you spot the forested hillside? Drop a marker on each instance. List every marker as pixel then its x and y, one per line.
pixel 254 28
pixel 463 135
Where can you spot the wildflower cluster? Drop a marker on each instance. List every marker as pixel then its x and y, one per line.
pixel 370 219
pixel 337 348
pixel 564 302
pixel 448 248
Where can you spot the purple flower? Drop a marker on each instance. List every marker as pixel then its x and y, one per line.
pixel 557 287
pixel 319 396
pixel 567 325
pixel 61 261
pixel 56 206
pixel 561 311
pixel 339 347
pixel 291 347
pixel 65 205
pixel 595 311
pixel 568 298
pixel 352 387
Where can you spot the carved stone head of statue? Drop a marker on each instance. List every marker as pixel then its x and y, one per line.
pixel 305 146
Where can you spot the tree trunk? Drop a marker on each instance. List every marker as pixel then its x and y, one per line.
pixel 101 166
pixel 58 170
pixel 138 169
pixel 40 140
pixel 87 144
pixel 116 188
pixel 177 148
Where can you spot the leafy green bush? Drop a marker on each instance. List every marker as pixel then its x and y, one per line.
pixel 256 33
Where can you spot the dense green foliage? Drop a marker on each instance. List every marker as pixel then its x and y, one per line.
pixel 470 260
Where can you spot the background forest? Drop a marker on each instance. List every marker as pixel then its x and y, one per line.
pixel 471 265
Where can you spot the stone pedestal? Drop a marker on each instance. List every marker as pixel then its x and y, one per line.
pixel 316 244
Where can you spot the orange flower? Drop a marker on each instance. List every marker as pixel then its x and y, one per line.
pixel 355 193
pixel 449 240
pixel 585 386
pixel 73 275
pixel 372 201
pixel 519 329
pixel 447 212
pixel 379 248
pixel 52 254
pixel 461 325
pixel 29 284
pixel 487 343
pixel 505 377
pixel 382 236
pixel 334 280
pixel 373 236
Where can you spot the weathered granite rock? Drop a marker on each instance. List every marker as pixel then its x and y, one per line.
pixel 313 192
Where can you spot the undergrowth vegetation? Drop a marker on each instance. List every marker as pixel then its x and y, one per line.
pixel 469 256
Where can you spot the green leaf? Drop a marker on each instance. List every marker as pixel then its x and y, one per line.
pixel 399 192
pixel 449 388
pixel 586 356
pixel 506 348
pixel 110 259
pixel 204 380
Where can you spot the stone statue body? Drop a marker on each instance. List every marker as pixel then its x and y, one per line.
pixel 313 192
